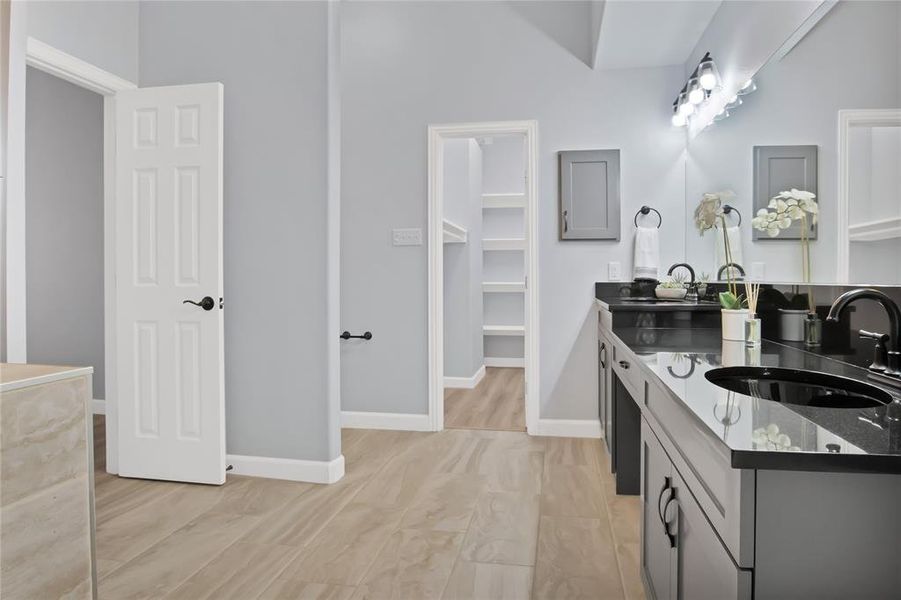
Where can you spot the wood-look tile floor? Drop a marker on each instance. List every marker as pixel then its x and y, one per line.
pixel 497 403
pixel 456 514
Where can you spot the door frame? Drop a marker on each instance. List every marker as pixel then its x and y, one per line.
pixel 848 119
pixel 437 135
pixel 55 62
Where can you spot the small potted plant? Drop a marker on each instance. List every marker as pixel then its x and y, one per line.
pixel 672 288
pixel 708 214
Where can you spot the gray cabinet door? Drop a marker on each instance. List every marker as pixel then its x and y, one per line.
pixel 589 195
pixel 704 568
pixel 657 553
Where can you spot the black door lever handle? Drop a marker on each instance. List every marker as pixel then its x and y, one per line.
pixel 346 336
pixel 206 304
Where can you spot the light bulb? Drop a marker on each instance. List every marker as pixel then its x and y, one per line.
pixel 678 120
pixel 686 109
pixel 707 75
pixel 695 92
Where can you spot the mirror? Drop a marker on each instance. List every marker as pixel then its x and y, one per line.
pixel 824 118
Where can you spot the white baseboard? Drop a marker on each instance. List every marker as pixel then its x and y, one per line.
pixel 377 420
pixel 312 471
pixel 98 407
pixel 466 383
pixel 578 428
pixel 501 361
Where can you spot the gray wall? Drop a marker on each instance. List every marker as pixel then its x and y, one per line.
pixel 272 59
pixel 102 33
pixel 408 64
pixel 463 262
pixel 64 224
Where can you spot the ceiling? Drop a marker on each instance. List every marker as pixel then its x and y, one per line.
pixel 650 33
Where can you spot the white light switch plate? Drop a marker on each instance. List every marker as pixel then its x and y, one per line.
pixel 406 237
pixel 614 271
pixel 758 271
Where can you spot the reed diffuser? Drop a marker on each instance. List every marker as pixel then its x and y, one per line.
pixel 752 323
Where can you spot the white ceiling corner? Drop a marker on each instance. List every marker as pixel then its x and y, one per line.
pixel 652 33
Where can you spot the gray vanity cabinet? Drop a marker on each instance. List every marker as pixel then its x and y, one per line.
pixel 658 555
pixel 704 568
pixel 681 554
pixel 605 390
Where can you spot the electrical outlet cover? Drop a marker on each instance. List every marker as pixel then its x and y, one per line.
pixel 614 271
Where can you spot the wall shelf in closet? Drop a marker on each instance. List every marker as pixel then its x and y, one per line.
pixel 874 231
pixel 503 286
pixel 453 233
pixel 503 244
pixel 517 200
pixel 511 330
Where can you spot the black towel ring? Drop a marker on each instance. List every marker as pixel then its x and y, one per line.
pixel 644 210
pixel 729 209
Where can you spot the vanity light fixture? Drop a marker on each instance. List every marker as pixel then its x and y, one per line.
pixel 696 91
pixel 734 102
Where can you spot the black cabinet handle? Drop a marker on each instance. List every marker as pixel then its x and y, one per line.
pixel 346 336
pixel 602 355
pixel 666 486
pixel 670 536
pixel 624 364
pixel 207 303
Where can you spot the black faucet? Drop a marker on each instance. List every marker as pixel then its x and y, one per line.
pixel 687 266
pixel 894 315
pixel 719 274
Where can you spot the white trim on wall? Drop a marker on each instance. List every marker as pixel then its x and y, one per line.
pixel 311 471
pixel 74 70
pixel 55 62
pixel 392 421
pixel 466 383
pixel 848 118
pixel 437 134
pixel 505 361
pixel 577 428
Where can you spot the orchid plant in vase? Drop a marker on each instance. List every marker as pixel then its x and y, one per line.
pixel 708 214
pixel 783 209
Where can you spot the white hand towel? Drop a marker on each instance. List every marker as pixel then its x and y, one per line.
pixel 647 253
pixel 734 234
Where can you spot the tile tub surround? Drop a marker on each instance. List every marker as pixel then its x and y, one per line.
pixel 46 502
pixel 679 358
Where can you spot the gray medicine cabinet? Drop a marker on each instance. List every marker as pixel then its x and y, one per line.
pixel 589 195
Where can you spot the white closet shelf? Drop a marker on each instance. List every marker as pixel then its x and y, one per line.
pixel 453 233
pixel 517 200
pixel 503 286
pixel 511 330
pixel 503 244
pixel 874 231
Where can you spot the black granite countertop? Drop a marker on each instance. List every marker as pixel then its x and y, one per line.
pixel 763 434
pixel 639 305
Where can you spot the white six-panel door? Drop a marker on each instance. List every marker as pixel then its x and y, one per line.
pixel 171 410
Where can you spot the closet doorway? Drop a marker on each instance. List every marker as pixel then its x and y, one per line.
pixel 483 276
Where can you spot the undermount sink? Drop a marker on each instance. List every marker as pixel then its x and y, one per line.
pixel 803 388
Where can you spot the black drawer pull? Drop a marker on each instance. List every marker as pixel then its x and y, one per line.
pixel 670 536
pixel 346 336
pixel 624 364
pixel 666 486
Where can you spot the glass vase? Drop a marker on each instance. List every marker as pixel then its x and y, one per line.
pixel 752 330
